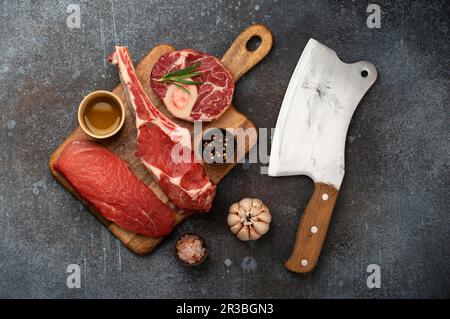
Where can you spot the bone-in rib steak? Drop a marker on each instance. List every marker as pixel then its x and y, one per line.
pixel 186 185
pixel 105 181
pixel 205 101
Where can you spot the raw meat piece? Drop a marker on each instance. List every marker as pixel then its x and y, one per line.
pixel 105 181
pixel 184 182
pixel 206 101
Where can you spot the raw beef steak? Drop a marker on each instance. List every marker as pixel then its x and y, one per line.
pixel 105 181
pixel 204 102
pixel 184 182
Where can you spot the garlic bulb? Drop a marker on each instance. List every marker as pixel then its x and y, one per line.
pixel 249 219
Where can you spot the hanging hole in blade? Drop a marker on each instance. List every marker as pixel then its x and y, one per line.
pixel 364 73
pixel 253 43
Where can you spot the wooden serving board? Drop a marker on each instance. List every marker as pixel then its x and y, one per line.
pixel 239 60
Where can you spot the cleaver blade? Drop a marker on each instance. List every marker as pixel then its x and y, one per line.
pixel 310 134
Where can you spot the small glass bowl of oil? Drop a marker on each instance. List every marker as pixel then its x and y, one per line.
pixel 101 114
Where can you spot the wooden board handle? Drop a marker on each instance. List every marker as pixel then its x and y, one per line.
pixel 312 229
pixel 239 59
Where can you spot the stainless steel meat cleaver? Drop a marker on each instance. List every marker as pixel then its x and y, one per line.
pixel 310 135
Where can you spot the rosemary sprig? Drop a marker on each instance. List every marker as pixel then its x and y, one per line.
pixel 179 77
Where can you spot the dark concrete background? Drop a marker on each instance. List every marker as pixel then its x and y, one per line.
pixel 394 205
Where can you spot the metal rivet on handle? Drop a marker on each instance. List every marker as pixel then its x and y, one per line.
pixel 314 229
pixel 304 262
pixel 325 196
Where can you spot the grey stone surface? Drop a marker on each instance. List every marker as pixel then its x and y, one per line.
pixel 394 206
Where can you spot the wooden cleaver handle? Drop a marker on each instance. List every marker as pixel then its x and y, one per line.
pixel 312 229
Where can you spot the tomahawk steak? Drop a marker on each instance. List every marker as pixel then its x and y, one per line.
pixel 184 182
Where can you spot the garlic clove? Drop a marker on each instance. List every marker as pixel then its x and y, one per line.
pixel 236 228
pixel 246 204
pixel 233 219
pixel 261 227
pixel 256 210
pixel 257 203
pixel 234 208
pixel 254 234
pixel 265 217
pixel 244 233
